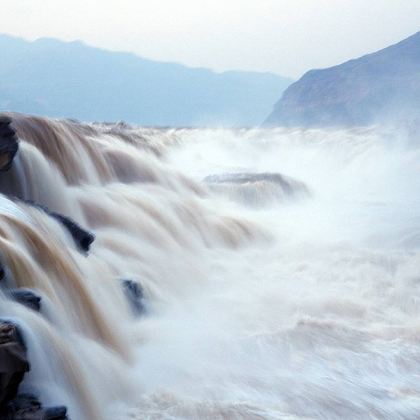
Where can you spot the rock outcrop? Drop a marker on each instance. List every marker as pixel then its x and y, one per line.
pixel 379 87
pixel 8 143
pixel 288 184
pixel 257 189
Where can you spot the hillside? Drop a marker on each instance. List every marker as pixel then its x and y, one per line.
pixel 60 79
pixel 379 87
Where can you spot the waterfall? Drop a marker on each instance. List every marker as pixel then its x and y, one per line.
pixel 277 270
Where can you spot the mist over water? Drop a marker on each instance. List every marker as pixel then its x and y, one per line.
pixel 282 306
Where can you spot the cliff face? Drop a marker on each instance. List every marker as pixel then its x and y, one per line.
pixel 61 79
pixel 383 86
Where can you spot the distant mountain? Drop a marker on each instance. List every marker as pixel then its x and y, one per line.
pixel 60 79
pixel 383 86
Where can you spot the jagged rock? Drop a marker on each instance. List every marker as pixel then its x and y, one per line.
pixel 27 297
pixel 135 296
pixel 28 407
pixel 8 143
pixel 13 361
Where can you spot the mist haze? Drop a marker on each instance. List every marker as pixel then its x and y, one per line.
pixel 286 37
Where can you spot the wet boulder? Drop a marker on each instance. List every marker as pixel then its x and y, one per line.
pixel 27 298
pixel 9 144
pixel 135 295
pixel 13 361
pixel 28 407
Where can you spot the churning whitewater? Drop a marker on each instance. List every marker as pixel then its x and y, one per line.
pixel 277 271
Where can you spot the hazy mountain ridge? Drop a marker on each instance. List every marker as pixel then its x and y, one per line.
pixel 62 79
pixel 382 86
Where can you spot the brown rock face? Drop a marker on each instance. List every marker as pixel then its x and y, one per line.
pixel 13 361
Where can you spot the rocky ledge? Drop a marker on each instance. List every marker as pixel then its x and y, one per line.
pixel 13 366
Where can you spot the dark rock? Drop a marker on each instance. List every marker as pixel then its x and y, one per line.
pixel 24 406
pixel 2 272
pixel 8 143
pixel 27 297
pixel 13 361
pixel 135 296
pixel 81 237
pixel 23 403
pixel 55 413
pixel 28 407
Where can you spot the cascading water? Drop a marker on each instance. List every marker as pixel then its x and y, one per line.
pixel 288 291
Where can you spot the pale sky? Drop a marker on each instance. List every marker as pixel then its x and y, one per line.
pixel 287 37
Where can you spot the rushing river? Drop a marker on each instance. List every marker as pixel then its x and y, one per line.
pixel 280 270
